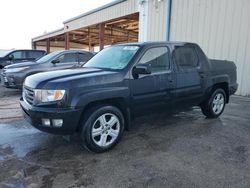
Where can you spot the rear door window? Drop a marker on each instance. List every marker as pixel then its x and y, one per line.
pixel 84 57
pixel 185 57
pixel 34 54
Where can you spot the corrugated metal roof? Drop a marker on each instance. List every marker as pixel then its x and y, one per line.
pixel 94 10
pixel 72 23
pixel 55 32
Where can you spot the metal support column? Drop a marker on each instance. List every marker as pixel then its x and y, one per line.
pixel 101 35
pixel 67 41
pixel 48 45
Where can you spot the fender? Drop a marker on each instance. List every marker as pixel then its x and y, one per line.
pixel 220 78
pixel 215 80
pixel 81 101
pixel 111 93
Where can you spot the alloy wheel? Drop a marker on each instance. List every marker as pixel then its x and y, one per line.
pixel 218 103
pixel 105 129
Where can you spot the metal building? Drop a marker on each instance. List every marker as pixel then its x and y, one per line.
pixel 116 22
pixel 220 27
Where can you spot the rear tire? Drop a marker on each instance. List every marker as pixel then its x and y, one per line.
pixel 102 128
pixel 214 106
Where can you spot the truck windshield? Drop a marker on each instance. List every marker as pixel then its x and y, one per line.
pixel 48 57
pixel 116 57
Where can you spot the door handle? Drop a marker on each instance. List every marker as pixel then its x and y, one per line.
pixel 170 80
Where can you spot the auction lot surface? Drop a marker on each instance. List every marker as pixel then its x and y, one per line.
pixel 181 150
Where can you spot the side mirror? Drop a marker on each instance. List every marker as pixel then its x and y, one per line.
pixel 10 57
pixel 142 69
pixel 55 61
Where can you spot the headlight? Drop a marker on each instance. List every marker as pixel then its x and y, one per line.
pixel 48 95
pixel 10 70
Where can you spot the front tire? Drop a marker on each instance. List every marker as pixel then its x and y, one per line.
pixel 214 106
pixel 102 128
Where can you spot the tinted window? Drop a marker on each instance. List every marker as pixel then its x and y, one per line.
pixel 84 57
pixel 158 58
pixel 185 57
pixel 68 58
pixel 18 55
pixel 48 57
pixel 34 54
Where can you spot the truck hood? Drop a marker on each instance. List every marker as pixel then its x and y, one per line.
pixel 68 78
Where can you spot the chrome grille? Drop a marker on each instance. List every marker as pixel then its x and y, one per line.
pixel 28 95
pixel 4 76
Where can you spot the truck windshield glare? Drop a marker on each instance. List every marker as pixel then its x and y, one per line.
pixel 116 57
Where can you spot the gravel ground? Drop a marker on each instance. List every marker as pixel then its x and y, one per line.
pixel 9 105
pixel 179 150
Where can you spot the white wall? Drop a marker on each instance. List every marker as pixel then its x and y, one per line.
pixel 220 27
pixel 153 20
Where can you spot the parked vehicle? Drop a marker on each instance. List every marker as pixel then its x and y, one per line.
pixel 14 75
pixel 8 57
pixel 124 81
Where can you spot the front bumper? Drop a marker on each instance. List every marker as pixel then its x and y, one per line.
pixel 12 81
pixel 34 115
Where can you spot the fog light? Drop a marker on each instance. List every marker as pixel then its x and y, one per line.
pixel 57 123
pixel 46 122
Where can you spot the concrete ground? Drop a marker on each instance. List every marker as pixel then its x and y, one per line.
pixel 181 150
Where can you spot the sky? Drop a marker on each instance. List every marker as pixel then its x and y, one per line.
pixel 22 20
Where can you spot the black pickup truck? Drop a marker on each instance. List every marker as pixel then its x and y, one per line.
pixel 122 82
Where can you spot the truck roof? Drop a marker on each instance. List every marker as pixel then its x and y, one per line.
pixel 80 51
pixel 154 43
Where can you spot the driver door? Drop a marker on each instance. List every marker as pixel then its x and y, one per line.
pixel 153 90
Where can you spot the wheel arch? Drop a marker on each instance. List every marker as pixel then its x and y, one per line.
pixel 118 102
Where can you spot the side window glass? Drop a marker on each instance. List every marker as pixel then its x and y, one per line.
pixel 84 57
pixel 33 54
pixel 68 58
pixel 185 57
pixel 158 58
pixel 18 55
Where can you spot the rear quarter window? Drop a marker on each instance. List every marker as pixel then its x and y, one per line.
pixel 185 57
